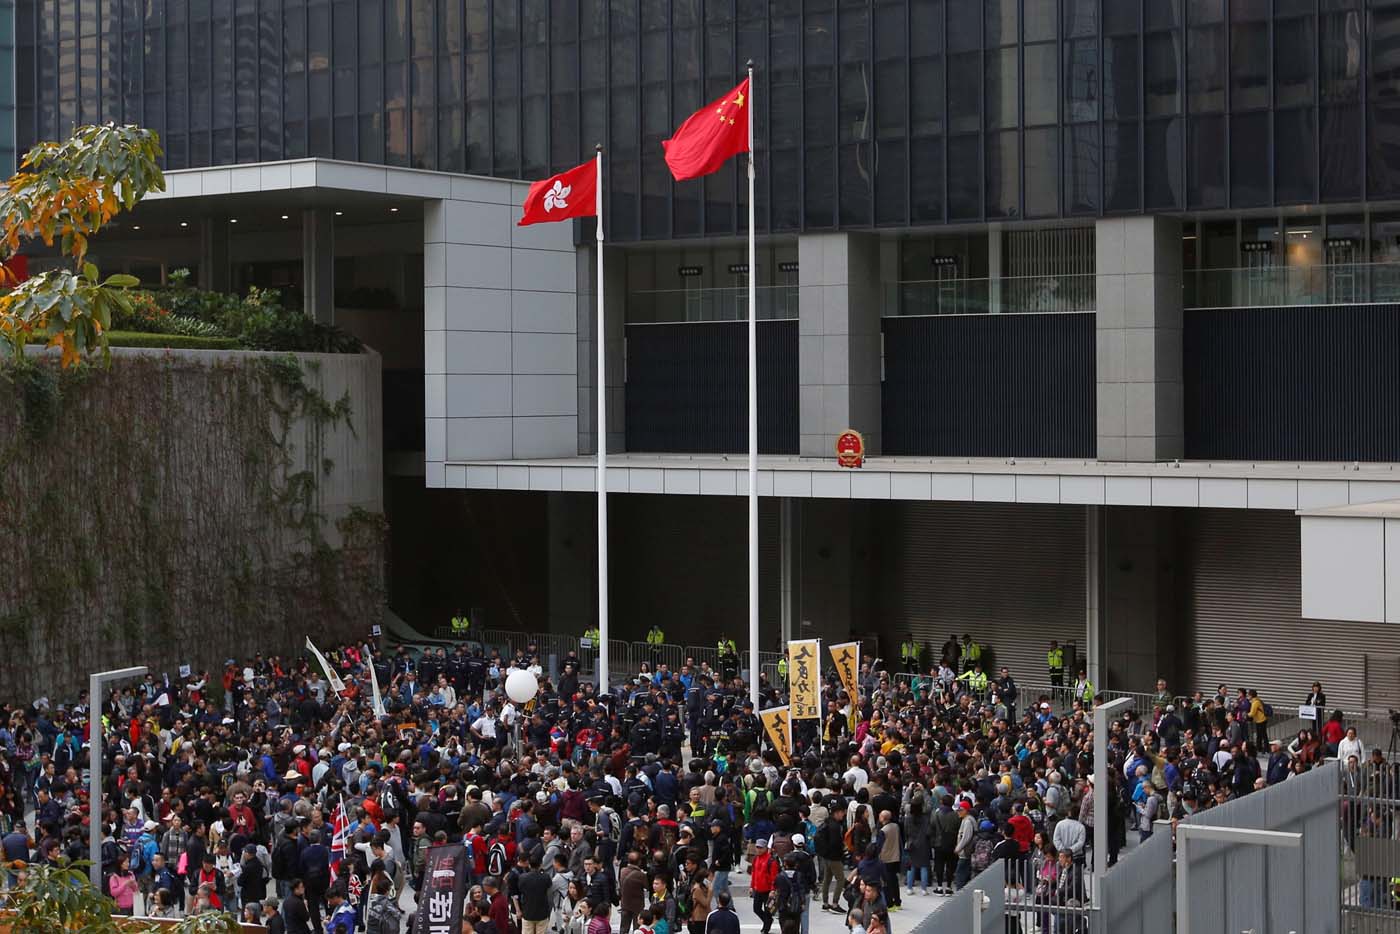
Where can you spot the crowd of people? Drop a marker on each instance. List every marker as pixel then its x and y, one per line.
pixel 264 791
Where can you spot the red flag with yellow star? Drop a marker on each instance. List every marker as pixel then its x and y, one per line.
pixel 711 135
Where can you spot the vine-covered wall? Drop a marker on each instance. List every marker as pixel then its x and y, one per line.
pixel 184 507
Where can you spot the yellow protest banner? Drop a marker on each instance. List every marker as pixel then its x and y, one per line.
pixel 779 729
pixel 846 657
pixel 804 676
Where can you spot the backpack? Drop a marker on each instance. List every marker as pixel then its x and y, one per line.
pixel 136 859
pixel 982 853
pixel 497 859
pixel 614 826
pixel 759 798
pixel 793 902
pixel 383 917
pixel 1269 711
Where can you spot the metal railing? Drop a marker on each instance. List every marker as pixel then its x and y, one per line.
pixel 1006 295
pixel 1335 284
pixel 1044 896
pixel 669 306
pixel 1370 819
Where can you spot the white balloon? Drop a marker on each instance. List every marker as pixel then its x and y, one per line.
pixel 521 685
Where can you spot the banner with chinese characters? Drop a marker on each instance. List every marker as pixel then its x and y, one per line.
pixel 444 890
pixel 846 657
pixel 779 727
pixel 804 679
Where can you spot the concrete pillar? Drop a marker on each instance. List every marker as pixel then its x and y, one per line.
pixel 213 254
pixel 615 314
pixel 790 567
pixel 318 264
pixel 1093 623
pixel 1139 619
pixel 1138 266
pixel 995 269
pixel 839 340
pixel 573 561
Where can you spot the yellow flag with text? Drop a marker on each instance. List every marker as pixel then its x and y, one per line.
pixel 804 679
pixel 779 728
pixel 846 657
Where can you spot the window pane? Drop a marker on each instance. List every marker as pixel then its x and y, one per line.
pixel 1341 57
pixel 1121 182
pixel 1383 153
pixel 1042 172
pixel 1162 74
pixel 964 178
pixel 1249 66
pixel 1042 83
pixel 1081 81
pixel 964 107
pixel 820 171
pixel 1002 88
pixel 927 97
pixel 1295 167
pixel 964 26
pixel 1205 73
pixel 1121 78
pixel 1081 172
pixel 855 187
pixel 1162 14
pixel 926 180
pixel 1341 152
pixel 1000 22
pixel 1205 162
pixel 1162 182
pixel 891 193
pixel 1039 19
pixel 1294 53
pixel 1249 159
pixel 1003 175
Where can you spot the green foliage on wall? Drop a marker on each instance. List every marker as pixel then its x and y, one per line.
pixel 172 515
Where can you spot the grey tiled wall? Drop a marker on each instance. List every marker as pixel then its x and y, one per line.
pixel 499 330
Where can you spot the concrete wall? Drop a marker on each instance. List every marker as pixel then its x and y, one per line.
pixel 150 518
pixel 839 340
pixel 499 330
pixel 1139 320
pixel 1138 612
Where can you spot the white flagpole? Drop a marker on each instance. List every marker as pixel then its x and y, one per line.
pixel 753 419
pixel 600 388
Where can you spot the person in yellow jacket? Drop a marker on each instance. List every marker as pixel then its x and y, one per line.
pixel 976 679
pixel 655 639
pixel 1259 716
pixel 461 623
pixel 593 635
pixel 782 669
pixel 909 652
pixel 1055 664
pixel 1084 689
pixel 970 655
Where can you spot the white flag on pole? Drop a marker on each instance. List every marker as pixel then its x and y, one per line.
pixel 336 684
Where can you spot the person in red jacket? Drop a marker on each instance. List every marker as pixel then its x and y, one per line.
pixel 1022 828
pixel 765 871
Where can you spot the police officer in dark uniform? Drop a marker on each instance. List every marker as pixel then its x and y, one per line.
pixel 645 735
pixel 476 672
pixel 746 727
pixel 672 733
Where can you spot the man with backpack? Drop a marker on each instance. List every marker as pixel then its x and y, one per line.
pixel 789 898
pixel 500 854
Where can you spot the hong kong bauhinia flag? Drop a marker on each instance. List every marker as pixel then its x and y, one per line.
pixel 569 194
pixel 711 136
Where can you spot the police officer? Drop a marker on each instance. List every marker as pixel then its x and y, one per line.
pixel 460 625
pixel 1055 664
pixel 593 635
pixel 655 639
pixel 782 668
pixel 975 679
pixel 971 654
pixel 728 661
pixel 672 733
pixel 909 652
pixel 646 737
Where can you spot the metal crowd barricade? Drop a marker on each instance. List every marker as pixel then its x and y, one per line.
pixel 672 656
pixel 620 663
pixel 1370 816
pixel 709 654
pixel 1045 899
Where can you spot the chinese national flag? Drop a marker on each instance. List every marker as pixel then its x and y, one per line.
pixel 712 135
pixel 569 194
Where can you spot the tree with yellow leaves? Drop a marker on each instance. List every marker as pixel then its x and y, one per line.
pixel 68 191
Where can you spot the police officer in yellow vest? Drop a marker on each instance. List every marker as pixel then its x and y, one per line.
pixel 971 654
pixel 593 636
pixel 728 661
pixel 460 624
pixel 1084 689
pixel 909 652
pixel 782 669
pixel 1055 663
pixel 976 680
pixel 655 639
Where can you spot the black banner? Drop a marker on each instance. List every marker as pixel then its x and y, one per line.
pixel 444 891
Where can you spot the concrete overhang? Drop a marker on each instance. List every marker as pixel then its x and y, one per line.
pixel 1188 484
pixel 1351 562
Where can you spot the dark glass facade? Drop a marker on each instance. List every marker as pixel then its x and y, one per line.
pixel 7 87
pixel 869 112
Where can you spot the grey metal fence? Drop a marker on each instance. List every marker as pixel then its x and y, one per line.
pixel 1136 897
pixel 978 907
pixel 1044 896
pixel 1235 887
pixel 1370 818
